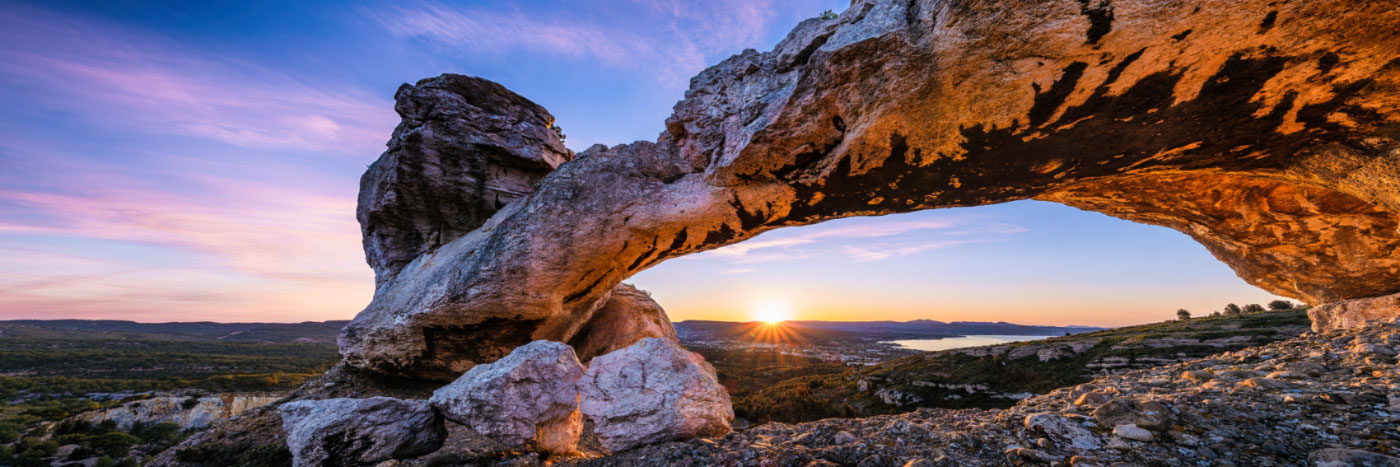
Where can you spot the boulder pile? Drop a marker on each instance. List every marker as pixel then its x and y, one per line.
pixel 534 399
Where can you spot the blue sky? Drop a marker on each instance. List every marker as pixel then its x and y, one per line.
pixel 199 160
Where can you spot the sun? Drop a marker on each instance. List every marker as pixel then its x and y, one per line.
pixel 772 312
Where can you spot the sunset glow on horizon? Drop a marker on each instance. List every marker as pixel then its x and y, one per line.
pixel 773 312
pixel 200 162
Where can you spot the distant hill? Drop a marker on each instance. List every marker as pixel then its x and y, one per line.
pixel 997 376
pixel 324 332
pixel 868 330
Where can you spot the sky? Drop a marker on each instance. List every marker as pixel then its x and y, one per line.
pixel 199 161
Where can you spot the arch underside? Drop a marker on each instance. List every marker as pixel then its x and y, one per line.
pixel 1281 156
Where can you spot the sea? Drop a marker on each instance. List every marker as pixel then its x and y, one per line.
pixel 974 340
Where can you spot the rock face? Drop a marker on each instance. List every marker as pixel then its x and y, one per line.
pixel 465 149
pixel 1280 155
pixel 628 316
pixel 189 412
pixel 530 396
pixel 1063 430
pixel 1353 313
pixel 334 432
pixel 651 392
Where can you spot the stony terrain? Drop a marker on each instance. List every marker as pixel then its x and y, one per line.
pixel 997 376
pixel 1332 396
pixel 189 412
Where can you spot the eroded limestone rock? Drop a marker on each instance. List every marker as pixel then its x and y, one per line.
pixel 336 432
pixel 1213 118
pixel 528 397
pixel 628 316
pixel 1354 313
pixel 1063 430
pixel 652 392
pixel 465 149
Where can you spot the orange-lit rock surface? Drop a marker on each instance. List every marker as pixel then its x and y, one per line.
pixel 1269 131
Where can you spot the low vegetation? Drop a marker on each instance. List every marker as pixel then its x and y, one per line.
pixel 50 373
pixel 826 394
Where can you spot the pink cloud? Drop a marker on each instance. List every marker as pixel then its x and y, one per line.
pixel 262 230
pixel 135 81
pixel 250 252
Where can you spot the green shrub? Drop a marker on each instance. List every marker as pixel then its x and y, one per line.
pixel 115 444
pixel 236 456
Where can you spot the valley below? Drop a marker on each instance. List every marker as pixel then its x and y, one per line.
pixel 71 386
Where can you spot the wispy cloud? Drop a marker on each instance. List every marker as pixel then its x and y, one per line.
pixel 670 39
pixel 888 250
pixel 235 252
pixel 260 230
pixel 866 240
pixel 140 82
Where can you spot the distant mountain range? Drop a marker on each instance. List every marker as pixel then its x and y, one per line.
pixel 311 332
pixel 869 330
pixel 325 332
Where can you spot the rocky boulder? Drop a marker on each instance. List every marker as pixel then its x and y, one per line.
pixel 1354 313
pixel 1151 415
pixel 530 397
pixel 1279 155
pixel 341 432
pixel 465 149
pixel 628 316
pixel 1063 430
pixel 652 392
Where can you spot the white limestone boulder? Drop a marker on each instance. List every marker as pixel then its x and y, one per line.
pixel 527 398
pixel 653 392
pixel 336 432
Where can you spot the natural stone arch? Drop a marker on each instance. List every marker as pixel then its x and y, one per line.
pixel 1280 154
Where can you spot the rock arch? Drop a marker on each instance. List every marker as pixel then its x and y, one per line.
pixel 1269 131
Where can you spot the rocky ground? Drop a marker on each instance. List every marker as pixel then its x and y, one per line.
pixel 995 377
pixel 1321 399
